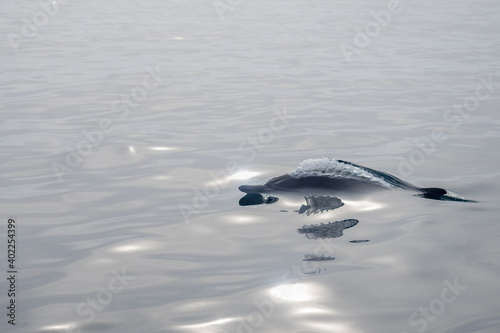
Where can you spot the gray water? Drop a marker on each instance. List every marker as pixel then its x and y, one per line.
pixel 127 127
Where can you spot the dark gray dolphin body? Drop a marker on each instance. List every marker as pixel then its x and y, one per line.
pixel 338 175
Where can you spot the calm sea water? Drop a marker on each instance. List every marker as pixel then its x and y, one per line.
pixel 127 127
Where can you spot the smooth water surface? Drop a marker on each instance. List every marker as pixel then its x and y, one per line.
pixel 127 127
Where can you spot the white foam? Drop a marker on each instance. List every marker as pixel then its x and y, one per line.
pixel 454 196
pixel 332 168
pixel 255 181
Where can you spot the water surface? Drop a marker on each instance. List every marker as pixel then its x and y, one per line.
pixel 128 126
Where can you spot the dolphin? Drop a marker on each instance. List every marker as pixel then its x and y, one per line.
pixel 336 175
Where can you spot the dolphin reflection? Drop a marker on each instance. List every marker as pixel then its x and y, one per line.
pixel 315 204
pixel 326 230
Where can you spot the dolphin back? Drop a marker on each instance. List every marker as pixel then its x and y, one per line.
pixel 332 174
pixel 255 188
